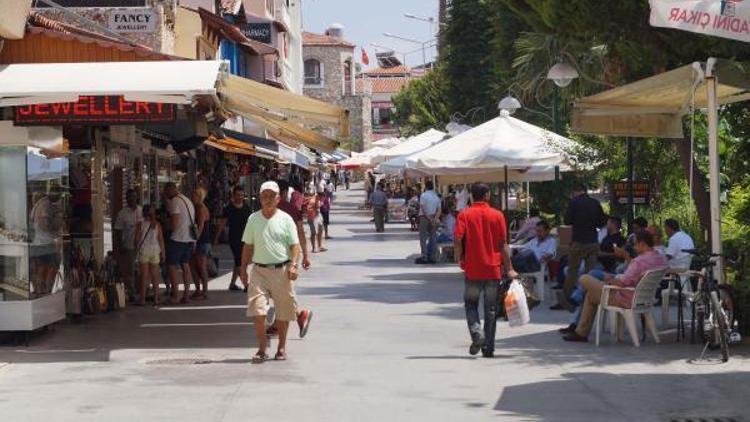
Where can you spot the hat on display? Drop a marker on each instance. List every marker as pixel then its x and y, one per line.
pixel 272 186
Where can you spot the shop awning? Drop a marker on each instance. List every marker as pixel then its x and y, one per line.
pixel 655 106
pixel 247 96
pixel 176 82
pixel 230 145
pixel 262 147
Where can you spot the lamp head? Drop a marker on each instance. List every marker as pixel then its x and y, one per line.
pixel 562 74
pixel 509 104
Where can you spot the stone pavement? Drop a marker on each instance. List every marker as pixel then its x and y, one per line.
pixel 388 342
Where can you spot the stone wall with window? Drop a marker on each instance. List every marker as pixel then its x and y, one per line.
pixel 325 80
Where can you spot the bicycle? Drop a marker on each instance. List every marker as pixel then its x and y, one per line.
pixel 711 317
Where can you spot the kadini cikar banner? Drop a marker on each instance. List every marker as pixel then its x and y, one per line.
pixel 721 18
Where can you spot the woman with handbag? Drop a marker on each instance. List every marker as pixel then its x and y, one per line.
pixel 151 253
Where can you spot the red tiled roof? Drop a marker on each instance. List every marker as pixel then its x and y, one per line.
pixel 309 38
pixel 398 70
pixel 384 85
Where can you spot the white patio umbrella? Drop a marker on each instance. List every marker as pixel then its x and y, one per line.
pixel 363 159
pixel 528 152
pixel 410 146
pixel 388 142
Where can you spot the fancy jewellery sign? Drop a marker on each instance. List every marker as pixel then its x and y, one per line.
pixel 133 20
pixel 721 18
pixel 93 110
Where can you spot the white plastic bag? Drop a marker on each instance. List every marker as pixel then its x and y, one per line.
pixel 515 305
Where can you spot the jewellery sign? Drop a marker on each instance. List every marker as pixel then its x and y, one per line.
pixel 95 110
pixel 721 18
pixel 133 20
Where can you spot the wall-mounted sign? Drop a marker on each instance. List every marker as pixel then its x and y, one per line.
pixel 133 20
pixel 641 192
pixel 91 110
pixel 260 32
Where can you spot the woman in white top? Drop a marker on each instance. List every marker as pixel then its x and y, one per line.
pixel 150 252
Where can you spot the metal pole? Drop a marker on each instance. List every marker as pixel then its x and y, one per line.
pixel 556 111
pixel 558 192
pixel 507 205
pixel 528 200
pixel 424 56
pixel 713 162
pixel 630 184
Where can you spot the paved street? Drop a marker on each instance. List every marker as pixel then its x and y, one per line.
pixel 388 342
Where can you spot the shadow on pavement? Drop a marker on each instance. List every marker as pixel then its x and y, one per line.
pixel 219 322
pixel 605 397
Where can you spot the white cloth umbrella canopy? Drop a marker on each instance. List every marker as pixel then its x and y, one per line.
pixel 490 147
pixel 388 142
pixel 410 146
pixel 363 159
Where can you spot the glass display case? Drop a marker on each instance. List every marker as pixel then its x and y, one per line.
pixel 33 229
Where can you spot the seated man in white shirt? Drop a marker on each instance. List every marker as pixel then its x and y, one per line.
pixel 538 250
pixel 679 242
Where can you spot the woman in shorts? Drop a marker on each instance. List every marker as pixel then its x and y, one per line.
pixel 199 261
pixel 150 252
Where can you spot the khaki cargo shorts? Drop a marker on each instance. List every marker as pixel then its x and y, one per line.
pixel 271 283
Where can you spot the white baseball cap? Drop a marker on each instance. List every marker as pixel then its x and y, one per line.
pixel 272 186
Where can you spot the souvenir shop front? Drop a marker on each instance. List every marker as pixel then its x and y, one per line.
pixel 64 172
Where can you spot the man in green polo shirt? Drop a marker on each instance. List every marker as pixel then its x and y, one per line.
pixel 271 244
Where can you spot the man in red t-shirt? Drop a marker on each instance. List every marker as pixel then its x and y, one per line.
pixel 481 248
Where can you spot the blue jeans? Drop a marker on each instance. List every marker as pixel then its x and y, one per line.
pixel 473 290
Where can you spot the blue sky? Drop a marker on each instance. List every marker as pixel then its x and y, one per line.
pixel 365 21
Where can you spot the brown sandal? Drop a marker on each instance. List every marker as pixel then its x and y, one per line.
pixel 259 357
pixel 280 356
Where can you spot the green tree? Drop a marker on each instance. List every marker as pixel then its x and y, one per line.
pixel 423 104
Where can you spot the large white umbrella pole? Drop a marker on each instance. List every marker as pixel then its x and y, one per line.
pixel 713 161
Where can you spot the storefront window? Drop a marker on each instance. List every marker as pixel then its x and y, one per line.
pixel 33 216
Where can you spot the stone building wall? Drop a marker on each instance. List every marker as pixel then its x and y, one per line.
pixel 162 39
pixel 359 105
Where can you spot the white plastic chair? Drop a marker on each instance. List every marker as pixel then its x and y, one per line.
pixel 643 303
pixel 539 277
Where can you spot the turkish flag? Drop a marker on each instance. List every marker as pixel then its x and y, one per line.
pixel 365 57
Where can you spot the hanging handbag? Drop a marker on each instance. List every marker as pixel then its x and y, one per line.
pixel 101 296
pixel 122 298
pixel 73 301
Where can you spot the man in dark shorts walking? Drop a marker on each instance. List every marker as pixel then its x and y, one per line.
pixel 234 218
pixel 481 248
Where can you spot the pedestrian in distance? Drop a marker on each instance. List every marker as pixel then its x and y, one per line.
pixel 151 252
pixel 430 207
pixel 379 201
pixel 313 202
pixel 271 244
pixel 126 229
pixel 199 262
pixel 234 218
pixel 482 251
pixel 181 242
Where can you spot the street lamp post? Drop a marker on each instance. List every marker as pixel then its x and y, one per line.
pixel 562 74
pixel 422 43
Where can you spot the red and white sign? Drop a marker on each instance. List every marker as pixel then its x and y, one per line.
pixel 721 18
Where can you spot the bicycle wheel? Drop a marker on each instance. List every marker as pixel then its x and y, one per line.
pixel 720 327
